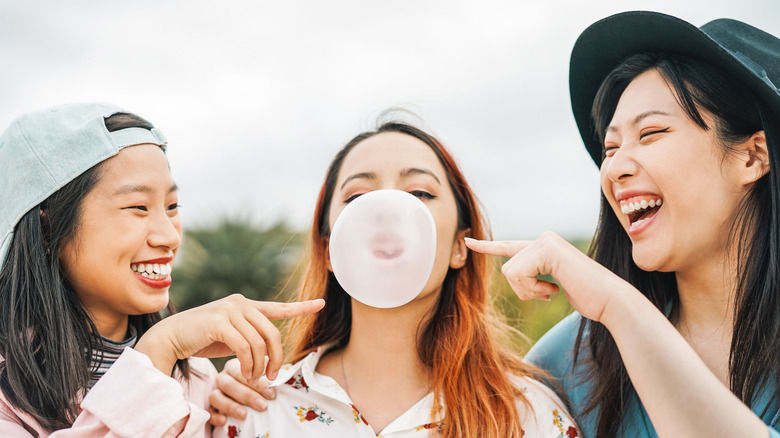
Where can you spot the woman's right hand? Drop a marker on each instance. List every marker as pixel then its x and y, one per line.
pixel 233 394
pixel 232 325
pixel 590 288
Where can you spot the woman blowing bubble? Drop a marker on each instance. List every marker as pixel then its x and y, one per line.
pixel 89 229
pixel 429 364
pixel 678 331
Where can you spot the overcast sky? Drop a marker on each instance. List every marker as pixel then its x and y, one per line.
pixel 256 97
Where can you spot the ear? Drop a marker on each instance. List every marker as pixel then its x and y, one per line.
pixel 755 158
pixel 460 251
pixel 327 254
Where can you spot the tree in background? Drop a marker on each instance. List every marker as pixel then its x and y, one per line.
pixel 236 256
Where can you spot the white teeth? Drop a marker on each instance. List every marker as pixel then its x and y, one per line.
pixel 633 224
pixel 630 207
pixel 154 271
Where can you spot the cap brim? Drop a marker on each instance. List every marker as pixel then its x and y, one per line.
pixel 606 43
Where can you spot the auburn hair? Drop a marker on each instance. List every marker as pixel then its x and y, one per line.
pixel 459 342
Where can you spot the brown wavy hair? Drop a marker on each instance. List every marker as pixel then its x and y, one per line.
pixel 459 342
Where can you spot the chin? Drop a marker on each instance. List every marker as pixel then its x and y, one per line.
pixel 646 262
pixel 154 306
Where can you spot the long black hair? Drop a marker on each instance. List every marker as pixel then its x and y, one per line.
pixel 46 335
pixel 754 362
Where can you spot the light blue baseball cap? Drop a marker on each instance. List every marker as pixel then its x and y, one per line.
pixel 42 151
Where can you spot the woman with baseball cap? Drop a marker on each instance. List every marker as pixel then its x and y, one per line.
pixel 89 229
pixel 677 330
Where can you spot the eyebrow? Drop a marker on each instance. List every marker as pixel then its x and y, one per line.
pixel 362 175
pixel 417 171
pixel 404 173
pixel 640 117
pixel 140 188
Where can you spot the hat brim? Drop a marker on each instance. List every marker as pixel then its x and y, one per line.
pixel 608 42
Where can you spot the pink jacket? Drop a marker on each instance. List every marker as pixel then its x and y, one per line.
pixel 133 399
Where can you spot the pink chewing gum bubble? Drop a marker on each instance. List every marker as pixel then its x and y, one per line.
pixel 382 248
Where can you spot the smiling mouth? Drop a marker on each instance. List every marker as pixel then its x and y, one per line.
pixel 386 246
pixel 640 210
pixel 152 271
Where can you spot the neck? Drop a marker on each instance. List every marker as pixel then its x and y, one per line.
pixel 114 329
pixel 382 348
pixel 386 339
pixel 707 294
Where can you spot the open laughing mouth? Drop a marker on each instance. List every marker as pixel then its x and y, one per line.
pixel 152 271
pixel 640 209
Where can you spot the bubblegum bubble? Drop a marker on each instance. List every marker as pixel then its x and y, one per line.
pixel 382 248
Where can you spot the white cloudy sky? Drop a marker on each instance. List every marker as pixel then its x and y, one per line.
pixel 255 97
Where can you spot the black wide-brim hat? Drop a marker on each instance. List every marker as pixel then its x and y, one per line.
pixel 747 53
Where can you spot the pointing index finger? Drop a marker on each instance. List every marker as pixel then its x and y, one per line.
pixel 502 248
pixel 275 310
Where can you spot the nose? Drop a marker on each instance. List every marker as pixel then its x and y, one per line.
pixel 165 231
pixel 621 165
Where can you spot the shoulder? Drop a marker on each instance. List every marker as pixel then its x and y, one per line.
pixel 202 366
pixel 14 422
pixel 553 352
pixel 202 381
pixel 543 413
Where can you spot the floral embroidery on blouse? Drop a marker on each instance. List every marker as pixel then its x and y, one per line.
pixel 311 413
pixel 358 416
pixel 571 432
pixel 309 404
pixel 297 382
pixel 437 426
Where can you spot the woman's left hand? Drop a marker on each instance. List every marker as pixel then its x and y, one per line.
pixel 590 287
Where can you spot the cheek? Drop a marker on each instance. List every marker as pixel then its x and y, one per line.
pixel 606 184
pixel 333 213
pixel 606 190
pixel 446 230
pixel 177 225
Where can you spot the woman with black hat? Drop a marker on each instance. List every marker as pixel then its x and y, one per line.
pixel 678 325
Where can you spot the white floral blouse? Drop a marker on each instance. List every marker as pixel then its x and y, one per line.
pixel 309 404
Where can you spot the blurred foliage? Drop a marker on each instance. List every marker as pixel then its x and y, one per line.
pixel 237 256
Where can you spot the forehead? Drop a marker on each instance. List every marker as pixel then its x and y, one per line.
pixel 390 152
pixel 649 89
pixel 145 163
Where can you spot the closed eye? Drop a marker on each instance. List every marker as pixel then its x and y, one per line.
pixel 352 198
pixel 137 207
pixel 422 195
pixel 649 133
